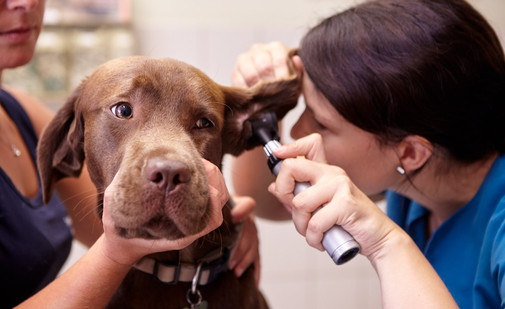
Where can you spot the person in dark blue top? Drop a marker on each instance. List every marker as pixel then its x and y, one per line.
pixel 35 239
pixel 408 97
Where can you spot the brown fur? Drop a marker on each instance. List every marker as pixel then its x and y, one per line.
pixel 162 185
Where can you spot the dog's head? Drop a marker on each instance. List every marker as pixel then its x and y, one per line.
pixel 148 122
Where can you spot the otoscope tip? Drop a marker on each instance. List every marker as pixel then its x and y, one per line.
pixel 264 128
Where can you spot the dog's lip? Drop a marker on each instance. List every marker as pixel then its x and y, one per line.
pixel 162 233
pixel 155 228
pixel 149 233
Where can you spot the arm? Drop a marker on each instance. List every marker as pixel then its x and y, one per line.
pixel 91 282
pixel 247 249
pixel 78 194
pixel 407 279
pixel 250 174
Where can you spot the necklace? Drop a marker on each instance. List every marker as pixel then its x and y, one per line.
pixel 15 150
pixel 6 138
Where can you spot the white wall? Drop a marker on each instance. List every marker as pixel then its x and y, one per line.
pixel 210 35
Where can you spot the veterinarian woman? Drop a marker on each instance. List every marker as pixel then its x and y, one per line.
pixel 408 97
pixel 35 239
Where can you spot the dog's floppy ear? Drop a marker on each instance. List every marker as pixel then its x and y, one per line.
pixel 245 105
pixel 60 152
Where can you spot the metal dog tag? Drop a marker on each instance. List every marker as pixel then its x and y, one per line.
pixel 201 305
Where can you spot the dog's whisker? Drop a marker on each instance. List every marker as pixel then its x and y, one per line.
pixel 82 212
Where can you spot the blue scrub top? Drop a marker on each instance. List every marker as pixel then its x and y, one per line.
pixel 467 250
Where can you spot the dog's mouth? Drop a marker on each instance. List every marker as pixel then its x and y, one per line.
pixel 156 228
pixel 160 198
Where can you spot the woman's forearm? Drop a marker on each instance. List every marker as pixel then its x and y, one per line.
pixel 89 283
pixel 407 278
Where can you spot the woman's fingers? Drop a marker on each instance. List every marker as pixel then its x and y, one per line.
pixel 263 62
pixel 317 208
pixel 310 147
pixel 217 187
pixel 244 207
pixel 246 252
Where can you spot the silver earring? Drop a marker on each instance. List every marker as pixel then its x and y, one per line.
pixel 400 170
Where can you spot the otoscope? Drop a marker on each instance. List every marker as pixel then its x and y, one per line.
pixel 339 244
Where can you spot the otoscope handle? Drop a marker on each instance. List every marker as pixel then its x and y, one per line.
pixel 339 244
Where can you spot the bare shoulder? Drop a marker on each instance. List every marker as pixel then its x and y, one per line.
pixel 39 114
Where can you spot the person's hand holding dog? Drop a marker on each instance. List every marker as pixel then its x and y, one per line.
pixel 263 62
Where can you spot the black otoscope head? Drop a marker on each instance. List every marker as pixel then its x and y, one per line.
pixel 265 132
pixel 264 129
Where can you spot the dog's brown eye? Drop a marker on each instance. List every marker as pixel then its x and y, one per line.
pixel 122 110
pixel 204 123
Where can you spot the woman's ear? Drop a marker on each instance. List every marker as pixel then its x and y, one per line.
pixel 414 151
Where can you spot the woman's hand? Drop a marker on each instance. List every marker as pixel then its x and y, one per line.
pixel 263 62
pixel 129 251
pixel 247 250
pixel 344 204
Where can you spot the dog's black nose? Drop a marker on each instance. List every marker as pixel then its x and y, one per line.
pixel 166 174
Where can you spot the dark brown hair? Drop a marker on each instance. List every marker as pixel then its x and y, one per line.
pixel 433 68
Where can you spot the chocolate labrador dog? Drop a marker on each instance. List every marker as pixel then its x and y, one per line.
pixel 149 122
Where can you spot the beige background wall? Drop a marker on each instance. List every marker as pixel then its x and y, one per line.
pixel 209 35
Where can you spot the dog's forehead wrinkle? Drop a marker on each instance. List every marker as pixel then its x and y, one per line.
pixel 135 74
pixel 142 86
pixel 151 144
pixel 162 132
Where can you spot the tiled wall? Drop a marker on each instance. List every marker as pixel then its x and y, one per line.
pixel 295 275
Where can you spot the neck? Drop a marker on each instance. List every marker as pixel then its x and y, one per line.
pixel 444 193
